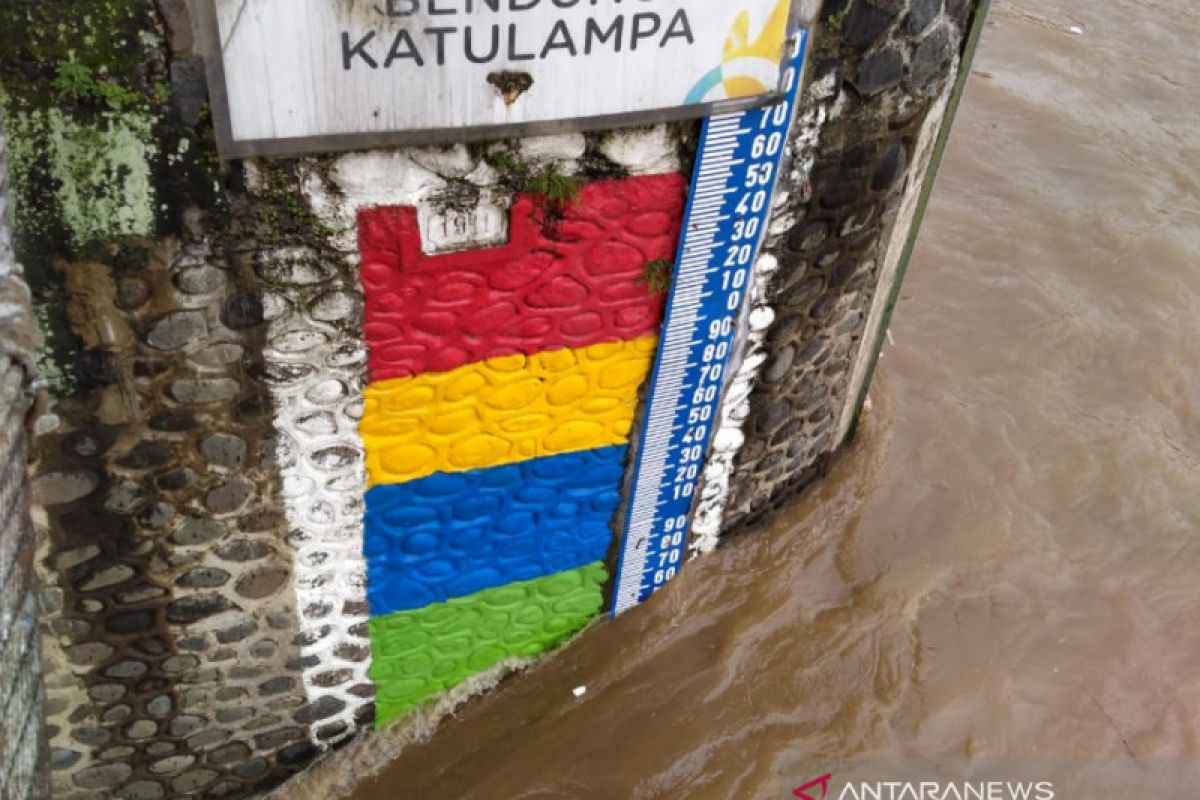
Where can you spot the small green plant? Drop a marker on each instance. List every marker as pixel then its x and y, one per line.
pixel 656 275
pixel 553 188
pixel 836 20
pixel 77 81
pixel 506 164
pixel 74 80
pixel 284 210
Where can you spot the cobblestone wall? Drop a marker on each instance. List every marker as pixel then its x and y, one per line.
pixel 175 666
pixel 20 661
pixel 172 646
pixel 879 81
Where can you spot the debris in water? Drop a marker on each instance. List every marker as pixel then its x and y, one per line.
pixel 579 691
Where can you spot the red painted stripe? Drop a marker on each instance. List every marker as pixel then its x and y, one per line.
pixel 570 284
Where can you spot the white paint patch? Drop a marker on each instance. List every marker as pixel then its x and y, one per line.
pixel 323 479
pixel 562 147
pixel 735 407
pixel 643 151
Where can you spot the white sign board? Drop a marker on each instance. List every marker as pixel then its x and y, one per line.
pixel 290 76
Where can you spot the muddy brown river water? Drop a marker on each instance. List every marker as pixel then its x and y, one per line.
pixel 1007 561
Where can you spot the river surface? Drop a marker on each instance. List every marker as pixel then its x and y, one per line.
pixel 1006 562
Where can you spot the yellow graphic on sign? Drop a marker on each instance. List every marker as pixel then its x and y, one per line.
pixel 767 47
pixel 749 66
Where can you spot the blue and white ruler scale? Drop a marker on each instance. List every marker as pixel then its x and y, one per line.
pixel 728 208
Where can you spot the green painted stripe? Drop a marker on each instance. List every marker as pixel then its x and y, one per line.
pixel 417 654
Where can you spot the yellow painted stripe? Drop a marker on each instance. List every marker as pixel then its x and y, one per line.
pixel 503 410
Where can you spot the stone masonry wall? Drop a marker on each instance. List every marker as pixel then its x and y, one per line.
pixel 879 81
pixel 174 664
pixel 172 655
pixel 20 662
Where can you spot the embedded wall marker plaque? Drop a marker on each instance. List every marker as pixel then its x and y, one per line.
pixel 293 76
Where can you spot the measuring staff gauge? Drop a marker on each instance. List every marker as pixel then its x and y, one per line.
pixel 729 204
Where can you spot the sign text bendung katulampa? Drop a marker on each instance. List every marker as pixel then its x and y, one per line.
pixel 485 44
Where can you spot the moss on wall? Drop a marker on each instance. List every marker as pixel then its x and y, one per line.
pixel 83 91
pixel 99 172
pixel 97 152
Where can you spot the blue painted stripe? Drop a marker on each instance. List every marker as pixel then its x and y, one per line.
pixel 453 534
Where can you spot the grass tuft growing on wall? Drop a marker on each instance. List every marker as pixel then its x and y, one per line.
pixel 656 275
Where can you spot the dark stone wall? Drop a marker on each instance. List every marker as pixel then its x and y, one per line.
pixel 169 581
pixel 21 694
pixel 878 70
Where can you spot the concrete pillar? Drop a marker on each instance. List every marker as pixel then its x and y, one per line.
pixel 21 695
pixel 316 427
